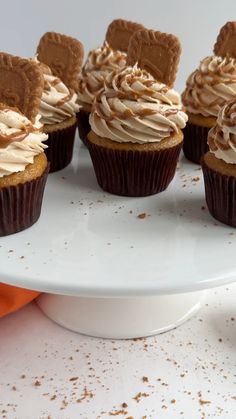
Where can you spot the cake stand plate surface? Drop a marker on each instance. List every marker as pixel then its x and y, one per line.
pixel 102 247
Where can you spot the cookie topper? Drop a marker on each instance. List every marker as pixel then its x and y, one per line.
pixel 21 84
pixel 119 32
pixel 156 52
pixel 64 55
pixel 226 41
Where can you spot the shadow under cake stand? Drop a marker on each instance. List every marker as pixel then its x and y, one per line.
pixel 118 267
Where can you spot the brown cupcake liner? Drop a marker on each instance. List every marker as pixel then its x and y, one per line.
pixel 220 193
pixel 195 142
pixel 20 205
pixel 60 147
pixel 83 125
pixel 133 173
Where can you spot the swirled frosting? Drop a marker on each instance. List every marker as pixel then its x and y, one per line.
pixel 20 141
pixel 222 137
pixel 99 64
pixel 58 103
pixel 135 108
pixel 210 86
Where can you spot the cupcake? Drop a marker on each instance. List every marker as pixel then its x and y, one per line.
pixel 219 166
pixel 100 62
pixel 23 163
pixel 207 90
pixel 136 121
pixel 61 58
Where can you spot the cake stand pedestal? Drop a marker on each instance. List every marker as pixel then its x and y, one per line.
pixel 121 318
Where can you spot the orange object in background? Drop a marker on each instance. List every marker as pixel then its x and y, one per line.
pixel 13 298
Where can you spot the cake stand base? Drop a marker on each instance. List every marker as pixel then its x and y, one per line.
pixel 121 318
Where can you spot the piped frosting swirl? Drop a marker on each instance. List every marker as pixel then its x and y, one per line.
pixel 210 86
pixel 135 108
pixel 20 140
pixel 99 64
pixel 222 137
pixel 58 103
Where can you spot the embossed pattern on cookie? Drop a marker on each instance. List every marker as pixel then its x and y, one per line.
pixel 21 84
pixel 156 52
pixel 64 55
pixel 119 32
pixel 226 41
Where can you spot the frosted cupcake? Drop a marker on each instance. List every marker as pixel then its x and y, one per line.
pixel 208 89
pixel 136 126
pixel 61 57
pixel 23 163
pixel 100 63
pixel 219 166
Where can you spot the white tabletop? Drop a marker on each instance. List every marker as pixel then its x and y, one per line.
pixel 48 372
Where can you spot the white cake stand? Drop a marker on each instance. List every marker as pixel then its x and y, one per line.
pixel 120 267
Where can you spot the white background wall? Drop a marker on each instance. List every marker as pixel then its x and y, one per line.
pixel 196 23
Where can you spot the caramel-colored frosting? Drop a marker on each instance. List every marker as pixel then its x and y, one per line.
pixel 210 86
pixel 20 140
pixel 222 137
pixel 135 108
pixel 99 64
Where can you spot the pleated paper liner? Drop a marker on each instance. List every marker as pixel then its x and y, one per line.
pixel 195 142
pixel 220 193
pixel 83 125
pixel 134 173
pixel 60 147
pixel 20 205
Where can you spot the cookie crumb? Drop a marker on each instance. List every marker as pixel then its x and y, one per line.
pixel 142 215
pixel 37 383
pixel 202 402
pixel 118 412
pixel 145 379
pixel 139 395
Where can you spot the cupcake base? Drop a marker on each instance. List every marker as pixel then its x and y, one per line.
pixel 83 125
pixel 20 204
pixel 60 143
pixel 195 137
pixel 220 189
pixel 134 169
